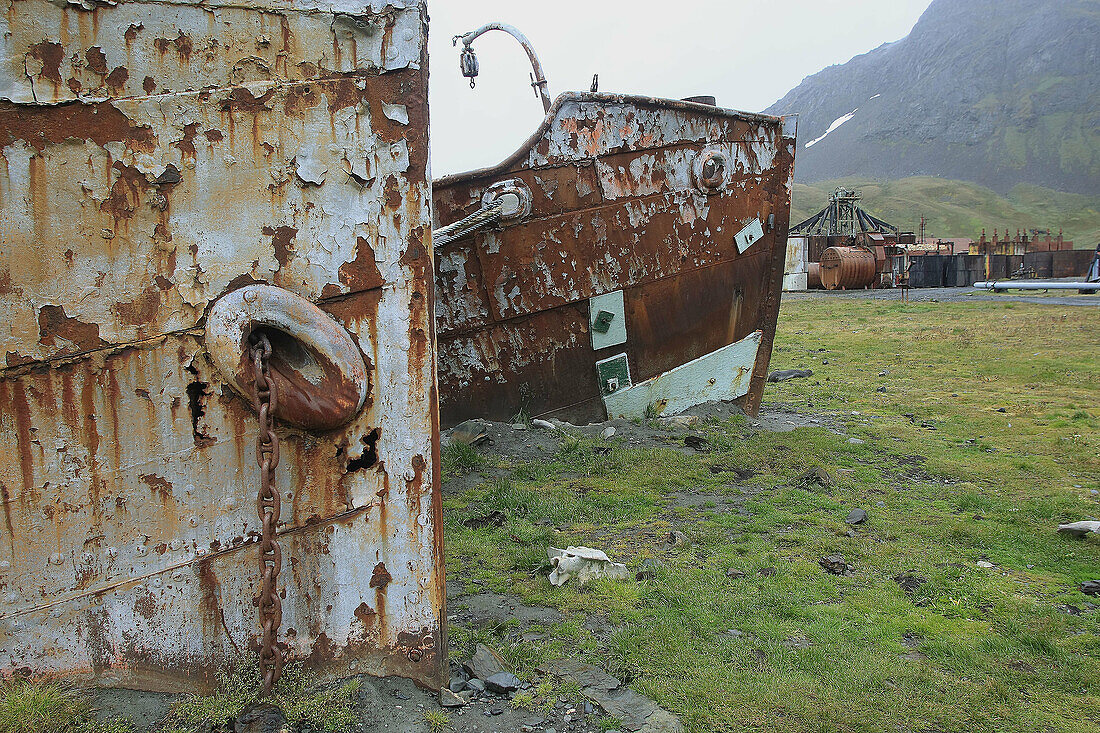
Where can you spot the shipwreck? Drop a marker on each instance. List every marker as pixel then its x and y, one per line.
pixel 626 261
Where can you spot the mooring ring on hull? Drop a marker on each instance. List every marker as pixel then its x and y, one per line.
pixel 322 378
pixel 710 169
pixel 518 202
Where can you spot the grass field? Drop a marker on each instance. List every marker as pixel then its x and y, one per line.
pixel 947 479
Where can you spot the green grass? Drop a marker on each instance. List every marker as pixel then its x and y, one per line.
pixel 962 209
pixel 969 649
pixel 49 707
pixel 325 708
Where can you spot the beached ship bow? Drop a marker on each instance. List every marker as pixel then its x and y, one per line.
pixel 634 266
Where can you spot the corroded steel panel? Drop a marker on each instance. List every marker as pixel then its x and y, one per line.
pixel 621 199
pixel 154 156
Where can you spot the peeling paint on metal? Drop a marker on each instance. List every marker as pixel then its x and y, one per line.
pixel 153 156
pixel 620 200
pixel 723 374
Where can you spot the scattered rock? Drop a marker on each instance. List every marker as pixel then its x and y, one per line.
pixel 985 564
pixel 1079 529
pixel 518 426
pixel 741 473
pixel 502 683
pixel 492 519
pixel 928 425
pixel 734 573
pixel 608 433
pixel 475 685
pixel 583 563
pixel 766 572
pixel 816 475
pixel 449 699
pixel 636 712
pixel 648 571
pixel 782 375
pixel 680 421
pixel 484 663
pixel 1001 409
pixel 470 432
pixel 836 565
pixel 457 684
pixel 909 582
pixel 855 441
pixel 542 424
pixel 884 373
pixel 880 389
pixel 676 538
pixel 1091 587
pixel 261 718
pixel 699 443
pixel 856 516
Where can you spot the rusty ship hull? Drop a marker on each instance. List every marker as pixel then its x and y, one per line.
pixel 156 158
pixel 642 276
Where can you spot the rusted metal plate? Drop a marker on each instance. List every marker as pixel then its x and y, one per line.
pixel 624 197
pixel 226 144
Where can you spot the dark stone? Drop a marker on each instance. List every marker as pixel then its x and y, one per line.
pixel 835 564
pixel 502 682
pixel 909 583
pixel 856 516
pixel 816 475
pixel 492 519
pixel 782 375
pixel 1091 587
pixel 483 663
pixel 699 443
pixel 448 699
pixel 475 684
pixel 260 718
pixel 458 684
pixel 734 573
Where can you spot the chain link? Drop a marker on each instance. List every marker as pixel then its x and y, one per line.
pixel 265 397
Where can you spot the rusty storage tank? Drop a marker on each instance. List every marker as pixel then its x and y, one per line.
pixel 813 276
pixel 639 268
pixel 175 177
pixel 847 268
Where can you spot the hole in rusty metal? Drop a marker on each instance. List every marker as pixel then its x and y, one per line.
pixel 196 391
pixel 370 452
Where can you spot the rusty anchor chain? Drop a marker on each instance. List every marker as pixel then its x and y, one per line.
pixel 265 397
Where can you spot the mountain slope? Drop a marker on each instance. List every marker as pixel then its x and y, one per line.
pixel 962 209
pixel 999 92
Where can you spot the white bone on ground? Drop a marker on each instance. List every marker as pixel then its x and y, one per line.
pixel 583 563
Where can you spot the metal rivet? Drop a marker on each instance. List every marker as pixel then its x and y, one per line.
pixel 416 655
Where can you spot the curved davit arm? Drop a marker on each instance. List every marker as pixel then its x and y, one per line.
pixel 469 63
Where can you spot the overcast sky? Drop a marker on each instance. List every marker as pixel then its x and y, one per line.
pixel 746 53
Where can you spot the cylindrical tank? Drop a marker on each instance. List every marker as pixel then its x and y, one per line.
pixel 813 275
pixel 847 268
